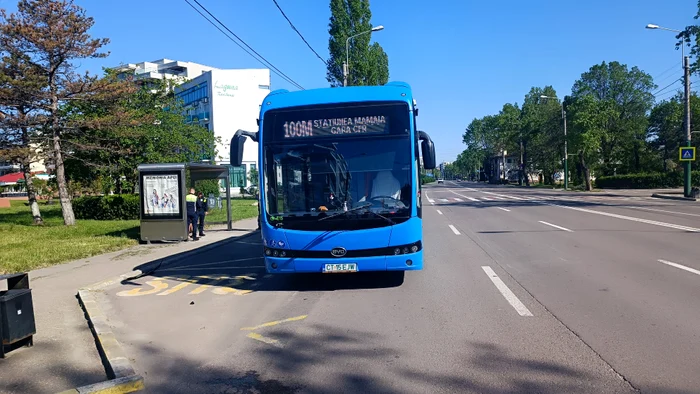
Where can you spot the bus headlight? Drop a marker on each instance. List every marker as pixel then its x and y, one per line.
pixel 397 251
pixel 268 252
pixel 414 248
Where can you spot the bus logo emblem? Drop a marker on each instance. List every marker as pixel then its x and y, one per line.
pixel 338 252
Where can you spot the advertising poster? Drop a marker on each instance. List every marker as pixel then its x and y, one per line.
pixel 160 195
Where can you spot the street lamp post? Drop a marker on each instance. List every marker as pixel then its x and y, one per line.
pixel 346 65
pixel 686 76
pixel 566 144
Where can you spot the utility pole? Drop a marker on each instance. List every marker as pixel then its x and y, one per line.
pixel 345 74
pixel 566 150
pixel 687 168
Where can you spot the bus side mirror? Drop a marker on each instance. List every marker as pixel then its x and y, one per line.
pixel 236 150
pixel 427 150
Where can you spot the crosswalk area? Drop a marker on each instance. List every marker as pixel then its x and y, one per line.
pixel 460 195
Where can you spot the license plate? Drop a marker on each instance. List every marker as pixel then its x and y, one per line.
pixel 331 268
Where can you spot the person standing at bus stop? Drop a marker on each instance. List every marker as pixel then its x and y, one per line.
pixel 191 201
pixel 202 211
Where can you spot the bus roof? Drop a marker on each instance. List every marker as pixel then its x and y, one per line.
pixel 392 91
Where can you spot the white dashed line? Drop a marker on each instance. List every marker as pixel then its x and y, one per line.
pixel 555 226
pixel 458 199
pixel 503 209
pixel 439 211
pixel 454 229
pixel 683 267
pixel 505 291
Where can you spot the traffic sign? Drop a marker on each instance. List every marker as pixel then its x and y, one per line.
pixel 686 153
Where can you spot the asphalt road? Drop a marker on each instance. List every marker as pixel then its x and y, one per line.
pixel 523 290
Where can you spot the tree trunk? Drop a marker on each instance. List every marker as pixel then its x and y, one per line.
pixel 66 205
pixel 31 194
pixel 586 172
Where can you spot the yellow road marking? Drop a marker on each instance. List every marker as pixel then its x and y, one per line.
pixel 157 285
pixel 274 323
pixel 267 340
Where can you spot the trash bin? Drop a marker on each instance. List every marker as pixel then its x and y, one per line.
pixel 16 313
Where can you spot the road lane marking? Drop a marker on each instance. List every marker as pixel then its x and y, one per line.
pixel 439 211
pixel 467 197
pixel 274 323
pixel 505 195
pixel 269 341
pixel 683 267
pixel 664 211
pixel 503 209
pixel 430 200
pixel 614 215
pixel 505 291
pixel 157 285
pixel 555 226
pixel 454 230
pixel 458 199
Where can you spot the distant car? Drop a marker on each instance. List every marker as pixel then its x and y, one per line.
pixel 440 180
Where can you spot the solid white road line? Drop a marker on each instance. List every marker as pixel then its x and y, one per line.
pixel 503 209
pixel 683 267
pixel 458 199
pixel 555 226
pixel 439 211
pixel 664 211
pixel 614 215
pixel 454 229
pixel 505 291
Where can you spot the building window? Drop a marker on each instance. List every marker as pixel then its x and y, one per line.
pixel 237 176
pixel 266 87
pixel 194 93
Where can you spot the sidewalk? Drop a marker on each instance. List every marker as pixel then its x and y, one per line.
pixel 64 355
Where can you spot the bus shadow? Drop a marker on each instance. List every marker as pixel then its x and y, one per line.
pixel 245 273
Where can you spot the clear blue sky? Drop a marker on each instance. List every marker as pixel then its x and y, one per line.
pixel 464 59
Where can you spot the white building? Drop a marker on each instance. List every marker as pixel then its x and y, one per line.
pixel 225 101
pixel 164 68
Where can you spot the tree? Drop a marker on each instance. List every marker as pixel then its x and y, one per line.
pixel 19 120
pixel 369 65
pixel 51 35
pixel 628 98
pixel 690 36
pixel 130 126
pixel 542 134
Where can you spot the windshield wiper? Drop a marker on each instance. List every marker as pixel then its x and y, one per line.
pixel 383 217
pixel 345 212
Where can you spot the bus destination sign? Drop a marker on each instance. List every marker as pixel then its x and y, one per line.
pixel 359 125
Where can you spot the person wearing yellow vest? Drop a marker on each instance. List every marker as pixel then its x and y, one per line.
pixel 191 201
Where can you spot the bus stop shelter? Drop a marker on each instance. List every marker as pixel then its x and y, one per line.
pixel 162 191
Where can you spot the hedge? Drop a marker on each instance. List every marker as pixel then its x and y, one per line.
pixel 114 207
pixel 659 180
pixel 426 179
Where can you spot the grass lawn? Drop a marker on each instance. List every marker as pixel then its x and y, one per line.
pixel 25 247
pixel 241 208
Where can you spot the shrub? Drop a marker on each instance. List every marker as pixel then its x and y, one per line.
pixel 645 181
pixel 114 207
pixel 426 179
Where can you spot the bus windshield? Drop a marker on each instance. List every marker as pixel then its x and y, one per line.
pixel 349 182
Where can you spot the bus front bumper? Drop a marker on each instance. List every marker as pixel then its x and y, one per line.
pixel 402 262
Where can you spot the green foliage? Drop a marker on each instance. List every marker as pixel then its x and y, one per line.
pixel 426 179
pixel 113 207
pixel 369 64
pixel 645 181
pixel 253 177
pixel 143 125
pixel 207 187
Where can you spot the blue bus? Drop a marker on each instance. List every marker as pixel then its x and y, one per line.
pixel 340 185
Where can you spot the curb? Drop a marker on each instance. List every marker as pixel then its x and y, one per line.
pixel 671 197
pixel 127 384
pixel 123 378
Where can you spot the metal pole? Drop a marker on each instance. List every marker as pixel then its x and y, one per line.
pixel 687 168
pixel 566 151
pixel 346 69
pixel 228 202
